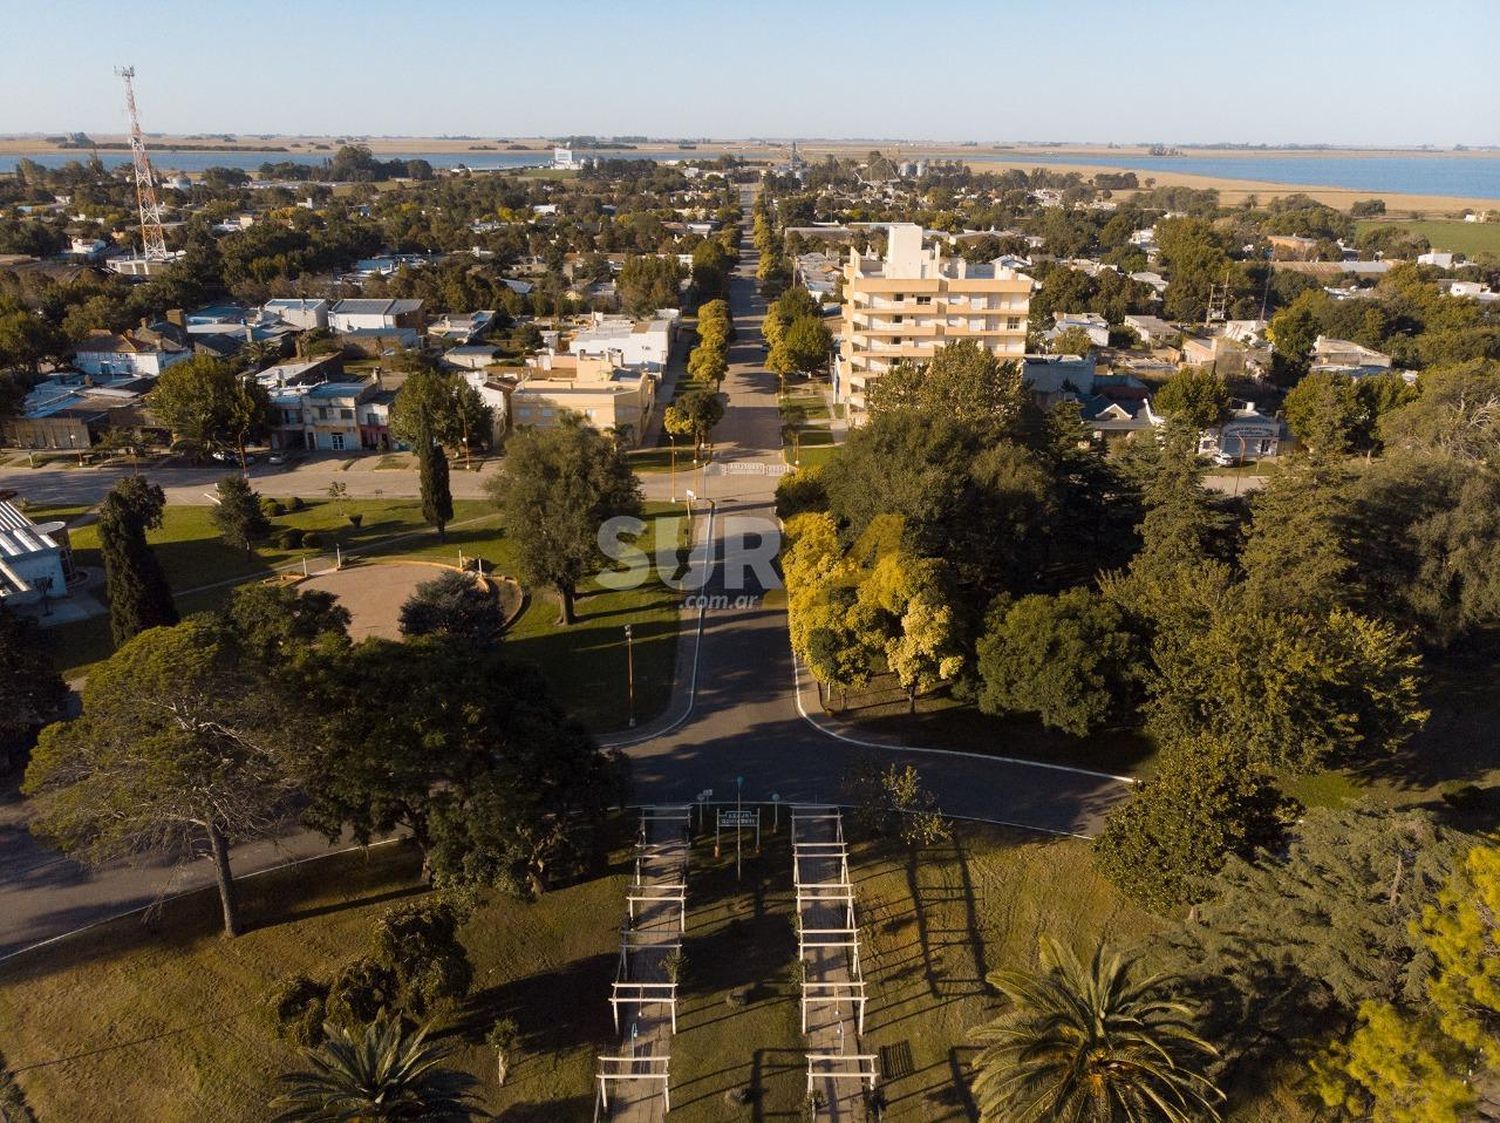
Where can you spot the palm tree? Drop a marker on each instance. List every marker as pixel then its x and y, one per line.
pixel 382 1073
pixel 1091 1044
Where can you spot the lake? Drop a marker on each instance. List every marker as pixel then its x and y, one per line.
pixel 1465 176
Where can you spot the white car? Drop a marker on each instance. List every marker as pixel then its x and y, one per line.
pixel 276 458
pixel 1223 459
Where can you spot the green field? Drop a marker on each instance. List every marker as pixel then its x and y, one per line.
pixel 585 663
pixel 130 1022
pixel 1447 235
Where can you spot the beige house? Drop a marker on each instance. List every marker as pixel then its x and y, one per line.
pixel 916 300
pixel 605 396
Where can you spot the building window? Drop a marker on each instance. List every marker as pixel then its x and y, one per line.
pixel 1013 323
pixel 336 442
pixel 924 300
pixel 346 414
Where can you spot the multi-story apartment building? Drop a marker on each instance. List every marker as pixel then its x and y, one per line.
pixel 916 300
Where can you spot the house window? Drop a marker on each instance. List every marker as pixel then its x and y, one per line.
pixel 924 300
pixel 336 442
pixel 346 414
pixel 1013 323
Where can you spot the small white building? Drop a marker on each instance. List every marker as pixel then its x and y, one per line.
pixel 1441 260
pixel 1153 330
pixel 299 312
pixel 1246 434
pixel 1092 323
pixel 33 558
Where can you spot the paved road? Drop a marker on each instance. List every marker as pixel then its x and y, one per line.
pixel 746 719
pixel 737 710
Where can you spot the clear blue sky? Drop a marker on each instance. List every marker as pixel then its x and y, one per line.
pixel 1338 71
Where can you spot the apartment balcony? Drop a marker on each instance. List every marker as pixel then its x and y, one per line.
pixel 878 326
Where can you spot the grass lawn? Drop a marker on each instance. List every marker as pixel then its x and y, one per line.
pixel 1447 235
pixel 130 1022
pixel 585 663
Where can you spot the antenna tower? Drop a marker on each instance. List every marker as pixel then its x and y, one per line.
pixel 153 239
pixel 1218 302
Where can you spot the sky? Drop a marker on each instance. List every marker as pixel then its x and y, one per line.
pixel 1350 72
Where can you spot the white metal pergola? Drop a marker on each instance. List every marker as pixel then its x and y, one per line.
pixel 628 1064
pixel 851 993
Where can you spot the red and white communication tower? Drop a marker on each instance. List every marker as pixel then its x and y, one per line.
pixel 153 240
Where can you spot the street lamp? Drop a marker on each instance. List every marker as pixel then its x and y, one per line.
pixel 630 672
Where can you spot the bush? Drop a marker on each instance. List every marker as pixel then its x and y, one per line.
pixel 292 538
pixel 310 541
pixel 355 519
pixel 419 943
pixel 296 503
pixel 298 1008
pixel 272 508
pixel 360 992
pixel 799 492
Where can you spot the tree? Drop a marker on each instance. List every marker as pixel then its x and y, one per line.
pixel 380 1072
pixel 1457 413
pixel 1196 397
pixel 1207 801
pixel 204 400
pixel 437 498
pixel 963 382
pixel 429 966
pixel 561 486
pixel 803 348
pixel 456 606
pixel 503 1036
pixel 280 626
pixel 703 410
pixel 1069 658
pixel 1324 412
pixel 32 693
pixel 708 364
pixel 461 749
pixel 647 283
pixel 1435 1063
pixel 1293 690
pixel 1081 1043
pixel 1291 942
pixel 1072 341
pixel 180 744
pixel 238 516
pixel 139 597
pixel 904 609
pixel 1297 548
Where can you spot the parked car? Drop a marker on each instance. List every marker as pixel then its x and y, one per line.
pixel 276 458
pixel 1223 459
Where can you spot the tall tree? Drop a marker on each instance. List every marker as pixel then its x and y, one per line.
pixel 560 487
pixel 437 496
pixel 238 515
pixel 179 745
pixel 963 382
pixel 1085 1043
pixel 32 693
pixel 139 597
pixel 1324 412
pixel 1195 397
pixel 1297 549
pixel 427 413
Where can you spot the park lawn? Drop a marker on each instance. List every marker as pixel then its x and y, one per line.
pixel 586 663
pixel 1446 235
pixel 166 1023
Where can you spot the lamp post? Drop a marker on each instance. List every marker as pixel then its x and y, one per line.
pixel 739 850
pixel 673 438
pixel 630 672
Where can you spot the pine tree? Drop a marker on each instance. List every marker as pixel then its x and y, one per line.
pixel 238 516
pixel 139 596
pixel 437 500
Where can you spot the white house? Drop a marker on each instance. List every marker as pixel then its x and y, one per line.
pixel 1441 260
pixel 130 354
pixel 375 315
pixel 298 311
pixel 1153 330
pixel 636 346
pixel 1246 434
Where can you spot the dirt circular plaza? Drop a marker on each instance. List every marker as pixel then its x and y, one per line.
pixel 374 593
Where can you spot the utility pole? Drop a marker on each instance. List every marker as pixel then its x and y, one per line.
pixel 630 672
pixel 153 239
